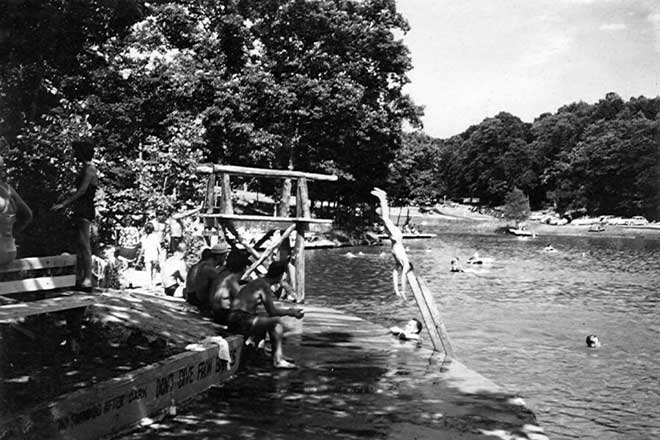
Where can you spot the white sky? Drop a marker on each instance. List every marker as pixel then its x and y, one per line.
pixel 475 58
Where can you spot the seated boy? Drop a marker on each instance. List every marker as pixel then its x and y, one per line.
pixel 243 318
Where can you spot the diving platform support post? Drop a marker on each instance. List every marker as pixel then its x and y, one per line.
pixel 300 223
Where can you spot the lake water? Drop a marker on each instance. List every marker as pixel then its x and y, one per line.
pixel 522 320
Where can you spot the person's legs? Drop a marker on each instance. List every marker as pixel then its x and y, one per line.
pixel 274 327
pixel 84 253
pixel 395 281
pixel 149 268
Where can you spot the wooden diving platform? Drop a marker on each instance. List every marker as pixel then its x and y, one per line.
pixel 354 381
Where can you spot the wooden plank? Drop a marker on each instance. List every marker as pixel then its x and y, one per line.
pixel 265 218
pixel 39 263
pixel 268 252
pixel 262 172
pixel 113 405
pixel 40 283
pixel 11 312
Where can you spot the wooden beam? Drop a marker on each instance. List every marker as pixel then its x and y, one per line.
pixel 262 172
pixel 40 283
pixel 21 310
pixel 265 218
pixel 39 263
pixel 269 251
pixel 244 243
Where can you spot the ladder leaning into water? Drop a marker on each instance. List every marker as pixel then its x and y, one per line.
pixel 430 315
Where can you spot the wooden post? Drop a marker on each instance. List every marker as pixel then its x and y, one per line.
pixel 285 247
pixel 225 199
pixel 283 208
pixel 302 210
pixel 210 198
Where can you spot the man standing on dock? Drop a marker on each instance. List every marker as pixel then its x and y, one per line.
pixel 398 251
pixel 243 318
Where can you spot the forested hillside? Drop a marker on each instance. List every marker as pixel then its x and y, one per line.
pixel 601 158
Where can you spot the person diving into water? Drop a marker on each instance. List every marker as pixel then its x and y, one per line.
pixel 398 251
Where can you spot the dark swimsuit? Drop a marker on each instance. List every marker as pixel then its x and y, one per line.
pixel 83 208
pixel 240 322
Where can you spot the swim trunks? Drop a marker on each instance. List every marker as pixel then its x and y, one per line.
pixel 240 322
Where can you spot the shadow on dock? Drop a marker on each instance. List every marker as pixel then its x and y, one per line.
pixel 355 381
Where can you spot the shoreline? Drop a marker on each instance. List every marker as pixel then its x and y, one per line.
pixel 462 220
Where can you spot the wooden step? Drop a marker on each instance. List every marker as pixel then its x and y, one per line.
pixel 11 312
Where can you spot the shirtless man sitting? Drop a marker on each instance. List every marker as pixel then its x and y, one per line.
pixel 225 288
pixel 201 276
pixel 243 318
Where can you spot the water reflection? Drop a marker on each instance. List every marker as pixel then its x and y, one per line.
pixel 522 320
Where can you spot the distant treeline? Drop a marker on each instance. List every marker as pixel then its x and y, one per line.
pixel 601 158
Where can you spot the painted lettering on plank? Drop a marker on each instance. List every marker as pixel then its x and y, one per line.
pixel 178 379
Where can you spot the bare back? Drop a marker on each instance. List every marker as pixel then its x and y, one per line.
pixel 251 296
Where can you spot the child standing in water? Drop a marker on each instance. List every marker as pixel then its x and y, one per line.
pixel 82 202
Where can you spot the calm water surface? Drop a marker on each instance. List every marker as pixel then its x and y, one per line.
pixel 522 320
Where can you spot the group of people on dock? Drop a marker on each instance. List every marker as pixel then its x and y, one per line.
pixel 214 285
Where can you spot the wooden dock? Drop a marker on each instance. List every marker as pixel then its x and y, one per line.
pixel 113 382
pixel 355 381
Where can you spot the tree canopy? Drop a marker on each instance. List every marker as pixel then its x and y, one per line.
pixel 165 85
pixel 601 158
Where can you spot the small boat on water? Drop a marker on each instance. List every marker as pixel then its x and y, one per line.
pixel 410 235
pixel 520 232
pixel 597 228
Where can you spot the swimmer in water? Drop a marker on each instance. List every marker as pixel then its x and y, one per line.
pixel 474 259
pixel 549 248
pixel 593 342
pixel 350 255
pixel 411 331
pixel 455 267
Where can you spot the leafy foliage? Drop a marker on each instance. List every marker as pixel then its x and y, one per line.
pixel 162 86
pixel 516 206
pixel 601 158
